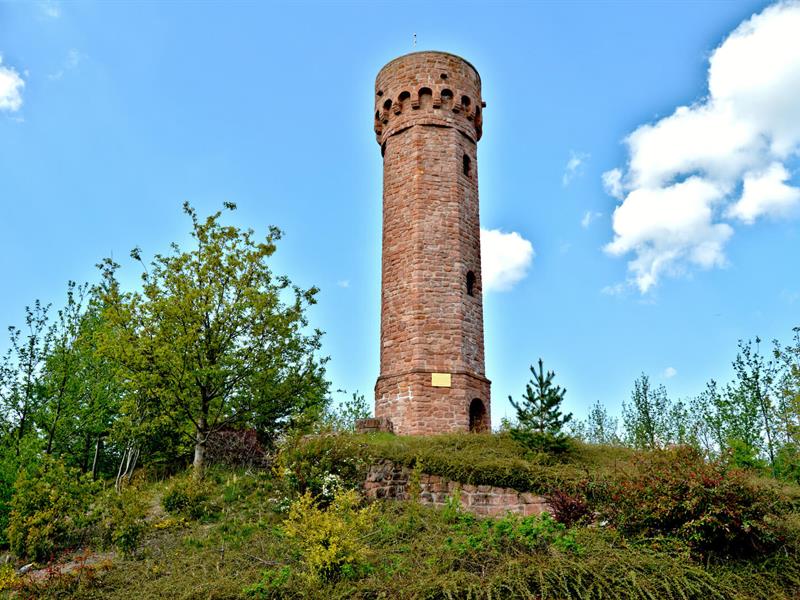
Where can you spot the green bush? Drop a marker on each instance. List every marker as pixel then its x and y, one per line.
pixel 49 509
pixel 330 542
pixel 511 534
pixel 787 463
pixel 120 519
pixel 191 498
pixel 712 507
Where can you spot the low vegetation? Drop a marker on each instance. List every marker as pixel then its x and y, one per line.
pixel 178 440
pixel 656 524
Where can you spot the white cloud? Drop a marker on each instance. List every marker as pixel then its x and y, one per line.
pixel 612 182
pixel 73 59
pixel 11 85
pixel 765 193
pixel 50 9
pixel 574 167
pixel 505 259
pixel 343 283
pixel 670 372
pixel 614 290
pixel 684 170
pixel 588 217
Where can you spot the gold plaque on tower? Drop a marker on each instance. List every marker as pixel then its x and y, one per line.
pixel 440 379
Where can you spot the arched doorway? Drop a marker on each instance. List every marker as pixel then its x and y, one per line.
pixel 477 416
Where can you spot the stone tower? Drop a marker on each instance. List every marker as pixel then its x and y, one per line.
pixel 428 116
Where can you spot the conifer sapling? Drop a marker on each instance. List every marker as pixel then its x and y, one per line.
pixel 539 416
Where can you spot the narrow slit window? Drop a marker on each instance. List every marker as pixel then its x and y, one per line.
pixel 470 283
pixel 467 165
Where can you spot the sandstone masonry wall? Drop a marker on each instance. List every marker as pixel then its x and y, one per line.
pixel 391 481
pixel 428 120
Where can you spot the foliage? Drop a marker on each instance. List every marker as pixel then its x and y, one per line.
pixel 414 552
pixel 236 448
pixel 786 388
pixel 569 509
pixel 49 510
pixel 329 542
pixel 120 519
pixel 539 417
pixel 646 418
pixel 63 580
pixel 495 460
pixel 9 580
pixel 754 378
pixel 344 417
pixel 214 338
pixel 755 417
pixel 711 507
pixel 190 498
pixel 21 378
pixel 510 534
pixel 598 427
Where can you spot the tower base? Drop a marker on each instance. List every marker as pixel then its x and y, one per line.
pixel 422 402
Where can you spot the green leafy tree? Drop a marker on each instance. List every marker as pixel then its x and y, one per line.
pixel 707 412
pixel 787 387
pixel 61 369
pixel 344 416
pixel 680 429
pixel 753 386
pixel 646 419
pixel 214 339
pixel 21 375
pixel 787 393
pixel 83 418
pixel 539 419
pixel 601 428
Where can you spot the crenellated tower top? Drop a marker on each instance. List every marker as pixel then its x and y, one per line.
pixel 428 88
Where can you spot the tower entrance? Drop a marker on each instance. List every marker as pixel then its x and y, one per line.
pixel 478 420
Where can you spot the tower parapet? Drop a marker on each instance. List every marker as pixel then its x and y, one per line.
pixel 428 88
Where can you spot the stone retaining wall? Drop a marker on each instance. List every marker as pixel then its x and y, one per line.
pixel 391 481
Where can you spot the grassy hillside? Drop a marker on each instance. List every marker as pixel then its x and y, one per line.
pixel 653 525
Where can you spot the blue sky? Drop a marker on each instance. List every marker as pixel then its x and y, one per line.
pixel 113 114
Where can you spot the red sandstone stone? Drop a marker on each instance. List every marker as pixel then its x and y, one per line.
pixel 428 127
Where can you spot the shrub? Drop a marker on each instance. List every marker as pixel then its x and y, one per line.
pixel 236 448
pixel 330 542
pixel 787 463
pixel 568 509
pixel 511 534
pixel 190 498
pixel 712 507
pixel 49 509
pixel 120 520
pixel 9 580
pixel 324 464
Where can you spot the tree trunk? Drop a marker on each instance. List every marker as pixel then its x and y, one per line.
pixel 199 462
pixel 96 460
pixel 126 466
pixel 87 445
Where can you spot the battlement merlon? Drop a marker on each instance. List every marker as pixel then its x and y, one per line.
pixel 428 88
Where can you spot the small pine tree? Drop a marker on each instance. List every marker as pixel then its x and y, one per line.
pixel 539 415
